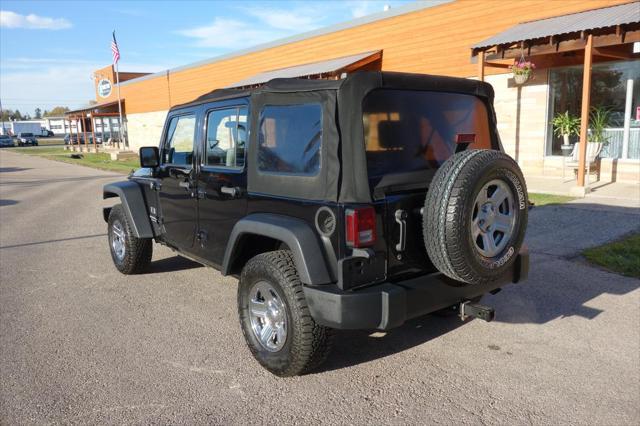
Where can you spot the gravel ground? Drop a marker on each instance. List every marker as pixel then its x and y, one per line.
pixel 80 343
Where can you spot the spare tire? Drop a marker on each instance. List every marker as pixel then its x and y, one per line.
pixel 475 215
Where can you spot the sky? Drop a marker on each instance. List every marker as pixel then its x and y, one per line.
pixel 49 49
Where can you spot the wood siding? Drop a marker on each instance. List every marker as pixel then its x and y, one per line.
pixel 435 40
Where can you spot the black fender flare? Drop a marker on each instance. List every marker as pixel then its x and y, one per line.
pixel 295 233
pixel 134 205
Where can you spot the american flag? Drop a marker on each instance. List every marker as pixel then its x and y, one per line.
pixel 114 49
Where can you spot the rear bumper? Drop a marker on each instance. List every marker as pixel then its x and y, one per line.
pixel 388 305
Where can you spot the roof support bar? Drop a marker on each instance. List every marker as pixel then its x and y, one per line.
pixel 584 116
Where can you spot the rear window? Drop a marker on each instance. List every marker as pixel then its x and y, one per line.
pixel 290 138
pixel 407 130
pixel 26 135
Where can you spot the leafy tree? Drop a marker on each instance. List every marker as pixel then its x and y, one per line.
pixel 6 115
pixel 17 116
pixel 57 111
pixel 38 113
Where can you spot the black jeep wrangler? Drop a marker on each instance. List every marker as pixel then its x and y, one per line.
pixel 356 203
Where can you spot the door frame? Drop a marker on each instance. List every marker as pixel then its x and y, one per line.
pixel 163 173
pixel 202 168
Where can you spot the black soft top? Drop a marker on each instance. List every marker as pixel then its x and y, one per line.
pixel 342 103
pixel 367 80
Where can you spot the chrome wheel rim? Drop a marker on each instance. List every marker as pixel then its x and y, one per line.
pixel 267 312
pixel 118 240
pixel 494 218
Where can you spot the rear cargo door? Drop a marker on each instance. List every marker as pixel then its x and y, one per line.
pixel 408 135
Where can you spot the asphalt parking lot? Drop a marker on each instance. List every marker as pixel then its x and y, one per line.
pixel 80 343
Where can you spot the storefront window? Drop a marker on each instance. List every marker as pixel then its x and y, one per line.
pixel 610 83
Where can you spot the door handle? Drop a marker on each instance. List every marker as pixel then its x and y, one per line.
pixel 176 172
pixel 230 190
pixel 401 218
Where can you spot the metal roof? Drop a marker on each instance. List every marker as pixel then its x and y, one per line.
pixel 314 68
pixel 582 21
pixel 93 107
pixel 394 11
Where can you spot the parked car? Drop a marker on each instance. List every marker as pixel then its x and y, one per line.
pixel 26 139
pixel 6 141
pixel 68 138
pixel 356 203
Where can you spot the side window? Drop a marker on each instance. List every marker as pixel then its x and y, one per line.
pixel 226 137
pixel 178 147
pixel 290 139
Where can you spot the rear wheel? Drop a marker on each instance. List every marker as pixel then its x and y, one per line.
pixel 475 215
pixel 131 255
pixel 275 318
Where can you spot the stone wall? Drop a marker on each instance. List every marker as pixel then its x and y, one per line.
pixel 145 129
pixel 522 118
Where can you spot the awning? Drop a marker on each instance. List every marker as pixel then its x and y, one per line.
pixel 576 22
pixel 105 107
pixel 331 67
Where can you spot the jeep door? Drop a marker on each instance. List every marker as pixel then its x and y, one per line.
pixel 178 204
pixel 222 179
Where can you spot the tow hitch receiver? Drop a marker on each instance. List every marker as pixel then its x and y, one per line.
pixel 468 309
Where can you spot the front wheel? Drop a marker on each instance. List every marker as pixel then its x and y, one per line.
pixel 275 318
pixel 131 255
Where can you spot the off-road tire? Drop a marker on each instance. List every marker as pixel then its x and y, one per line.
pixel 307 344
pixel 138 251
pixel 448 211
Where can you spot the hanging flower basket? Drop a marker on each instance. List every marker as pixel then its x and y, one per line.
pixel 521 78
pixel 522 70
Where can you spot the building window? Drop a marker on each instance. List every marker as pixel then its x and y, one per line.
pixel 615 86
pixel 290 138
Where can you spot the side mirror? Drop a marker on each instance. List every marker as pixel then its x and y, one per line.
pixel 149 157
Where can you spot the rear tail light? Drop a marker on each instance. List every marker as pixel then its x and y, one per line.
pixel 361 227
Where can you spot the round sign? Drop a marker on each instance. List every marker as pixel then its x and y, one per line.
pixel 104 88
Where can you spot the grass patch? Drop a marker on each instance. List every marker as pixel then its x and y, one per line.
pixel 548 199
pixel 100 160
pixel 50 141
pixel 622 257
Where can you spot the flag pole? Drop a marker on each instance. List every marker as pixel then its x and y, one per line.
pixel 121 126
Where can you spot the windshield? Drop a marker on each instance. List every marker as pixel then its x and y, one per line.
pixel 26 135
pixel 407 130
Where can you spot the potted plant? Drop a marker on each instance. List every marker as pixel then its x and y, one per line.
pixel 566 125
pixel 598 122
pixel 522 70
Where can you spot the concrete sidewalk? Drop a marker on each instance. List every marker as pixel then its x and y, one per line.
pixel 623 194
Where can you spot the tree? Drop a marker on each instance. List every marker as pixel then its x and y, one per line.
pixel 17 116
pixel 38 113
pixel 57 111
